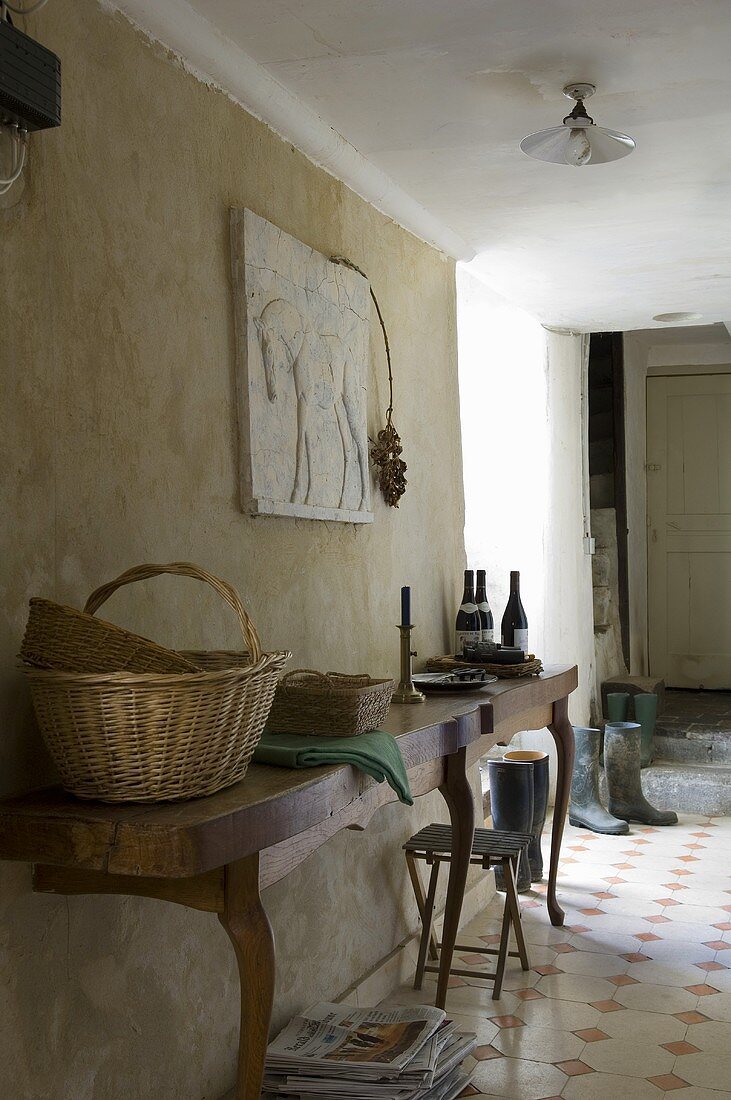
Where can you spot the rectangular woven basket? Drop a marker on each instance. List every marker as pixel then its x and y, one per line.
pixel 329 704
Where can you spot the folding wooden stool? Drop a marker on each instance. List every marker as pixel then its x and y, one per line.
pixel 489 847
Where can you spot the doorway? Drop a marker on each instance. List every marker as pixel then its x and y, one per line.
pixel 689 529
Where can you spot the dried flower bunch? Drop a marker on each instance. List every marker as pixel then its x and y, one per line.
pixel 385 453
pixel 386 449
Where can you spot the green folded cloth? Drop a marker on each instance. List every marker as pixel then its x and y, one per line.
pixel 375 753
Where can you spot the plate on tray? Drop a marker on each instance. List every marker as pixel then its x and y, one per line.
pixel 453 681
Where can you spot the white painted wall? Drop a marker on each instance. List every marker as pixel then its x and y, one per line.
pixel 520 394
pixel 689 350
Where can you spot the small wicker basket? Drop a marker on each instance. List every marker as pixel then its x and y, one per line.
pixel 532 667
pixel 63 638
pixel 329 704
pixel 155 737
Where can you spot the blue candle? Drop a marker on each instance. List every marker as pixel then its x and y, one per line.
pixel 406 606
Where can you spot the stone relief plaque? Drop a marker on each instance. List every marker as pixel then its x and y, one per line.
pixel 302 361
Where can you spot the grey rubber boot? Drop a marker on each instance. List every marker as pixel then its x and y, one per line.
pixel 585 808
pixel 622 763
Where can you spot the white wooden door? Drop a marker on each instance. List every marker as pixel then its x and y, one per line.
pixel 689 529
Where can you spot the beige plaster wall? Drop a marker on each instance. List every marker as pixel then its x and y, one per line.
pixel 119 437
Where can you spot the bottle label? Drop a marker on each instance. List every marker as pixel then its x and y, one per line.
pixel 468 608
pixel 488 635
pixel 468 636
pixel 520 639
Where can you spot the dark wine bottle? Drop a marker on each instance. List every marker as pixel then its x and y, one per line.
pixel 468 627
pixel 515 623
pixel 486 623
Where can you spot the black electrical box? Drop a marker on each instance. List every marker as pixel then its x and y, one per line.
pixel 30 81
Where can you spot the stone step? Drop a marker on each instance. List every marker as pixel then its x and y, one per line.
pixel 687 788
pixel 696 748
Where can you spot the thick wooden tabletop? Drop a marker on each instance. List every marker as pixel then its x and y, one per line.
pixel 268 806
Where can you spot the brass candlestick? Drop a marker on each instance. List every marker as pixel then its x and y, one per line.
pixel 406 692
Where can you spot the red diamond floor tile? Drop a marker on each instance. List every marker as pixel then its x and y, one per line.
pixel 658 920
pixel 591 1035
pixel 667 901
pixel 674 886
pixel 507 1021
pixel 723 926
pixel 562 948
pixel 712 965
pixel 718 945
pixel 573 1068
pixel 646 937
pixel 485 1053
pixel 701 990
pixel 691 1017
pixel 623 979
pixel 668 1081
pixel 545 970
pixel 680 1048
pixel 614 880
pixel 635 957
pixel 607 1006
pixel 592 912
pixel 528 995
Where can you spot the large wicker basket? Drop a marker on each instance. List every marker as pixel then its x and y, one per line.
pixel 330 705
pixel 155 737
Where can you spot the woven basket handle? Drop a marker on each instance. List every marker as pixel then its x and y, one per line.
pixel 311 672
pixel 182 569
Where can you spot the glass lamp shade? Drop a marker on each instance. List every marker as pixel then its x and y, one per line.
pixel 564 145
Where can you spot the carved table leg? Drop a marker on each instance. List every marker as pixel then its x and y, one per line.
pixel 457 793
pixel 248 927
pixel 563 734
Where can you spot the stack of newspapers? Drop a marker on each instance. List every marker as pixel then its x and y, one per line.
pixel 385 1053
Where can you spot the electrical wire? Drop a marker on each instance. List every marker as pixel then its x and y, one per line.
pixel 17 163
pixel 24 11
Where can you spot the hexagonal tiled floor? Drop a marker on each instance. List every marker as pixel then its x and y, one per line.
pixel 632 997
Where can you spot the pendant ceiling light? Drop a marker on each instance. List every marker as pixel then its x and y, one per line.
pixel 579 140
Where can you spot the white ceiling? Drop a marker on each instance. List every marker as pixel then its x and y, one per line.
pixel 438 93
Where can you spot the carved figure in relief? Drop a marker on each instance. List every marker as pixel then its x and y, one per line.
pixel 324 376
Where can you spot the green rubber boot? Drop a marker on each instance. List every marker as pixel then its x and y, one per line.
pixel 585 808
pixel 622 763
pixel 646 714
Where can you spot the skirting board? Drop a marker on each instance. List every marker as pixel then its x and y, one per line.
pixel 398 967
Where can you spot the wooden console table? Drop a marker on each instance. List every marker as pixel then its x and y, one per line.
pixel 218 853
